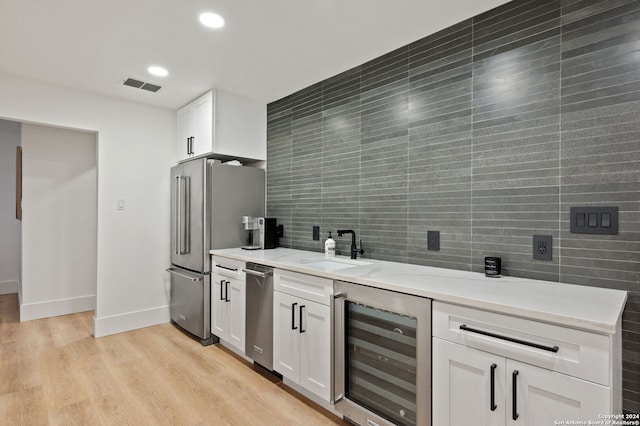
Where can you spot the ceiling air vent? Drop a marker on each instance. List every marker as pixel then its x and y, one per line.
pixel 132 82
pixel 151 87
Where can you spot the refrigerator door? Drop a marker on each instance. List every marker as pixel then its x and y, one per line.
pixel 235 192
pixel 189 249
pixel 190 301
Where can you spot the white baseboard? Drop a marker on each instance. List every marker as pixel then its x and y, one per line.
pixel 8 287
pixel 114 324
pixel 53 308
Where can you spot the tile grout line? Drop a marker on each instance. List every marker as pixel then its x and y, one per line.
pixel 471 153
pixel 560 154
pixel 406 246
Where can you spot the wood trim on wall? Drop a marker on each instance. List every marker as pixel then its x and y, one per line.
pixel 19 183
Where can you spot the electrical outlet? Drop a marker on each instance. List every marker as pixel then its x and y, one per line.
pixel 433 240
pixel 316 233
pixel 542 247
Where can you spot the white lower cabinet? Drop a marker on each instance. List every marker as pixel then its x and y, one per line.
pixel 302 331
pixel 462 386
pixel 228 305
pixel 476 387
pixel 544 396
pixel 492 369
pixel 286 336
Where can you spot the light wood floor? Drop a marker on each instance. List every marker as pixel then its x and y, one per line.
pixel 52 371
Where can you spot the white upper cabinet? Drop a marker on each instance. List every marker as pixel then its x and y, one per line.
pixel 220 124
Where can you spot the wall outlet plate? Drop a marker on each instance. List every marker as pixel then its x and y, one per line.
pixel 433 240
pixel 316 233
pixel 542 247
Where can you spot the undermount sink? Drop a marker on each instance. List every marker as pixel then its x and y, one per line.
pixel 333 264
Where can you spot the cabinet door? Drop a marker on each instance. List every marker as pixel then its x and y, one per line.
pixel 544 397
pixel 219 309
pixel 286 335
pixel 237 304
pixel 203 124
pixel 315 348
pixel 462 388
pixel 185 131
pixel 240 126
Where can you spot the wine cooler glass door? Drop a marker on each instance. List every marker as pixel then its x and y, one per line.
pixel 380 365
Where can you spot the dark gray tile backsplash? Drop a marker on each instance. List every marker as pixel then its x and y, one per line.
pixel 489 132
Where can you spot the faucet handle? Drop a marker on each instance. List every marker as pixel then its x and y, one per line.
pixel 361 250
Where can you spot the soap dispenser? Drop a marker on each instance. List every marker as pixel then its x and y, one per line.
pixel 329 247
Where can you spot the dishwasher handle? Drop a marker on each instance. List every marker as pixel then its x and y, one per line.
pixel 257 273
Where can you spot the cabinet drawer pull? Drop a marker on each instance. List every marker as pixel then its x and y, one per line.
pixel 227 268
pixel 493 387
pixel 514 413
pixel 510 339
pixel 293 316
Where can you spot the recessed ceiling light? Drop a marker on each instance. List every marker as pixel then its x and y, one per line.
pixel 211 20
pixel 158 71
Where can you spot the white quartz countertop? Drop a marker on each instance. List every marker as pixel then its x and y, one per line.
pixel 588 308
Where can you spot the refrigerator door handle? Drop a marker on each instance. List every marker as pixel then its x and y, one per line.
pixel 178 221
pixel 173 271
pixel 187 215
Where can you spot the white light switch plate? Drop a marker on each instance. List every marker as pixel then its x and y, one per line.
pixel 120 204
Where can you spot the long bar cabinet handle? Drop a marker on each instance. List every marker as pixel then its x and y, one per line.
pixel 514 393
pixel 553 349
pixel 301 330
pixel 227 268
pixel 493 405
pixel 293 316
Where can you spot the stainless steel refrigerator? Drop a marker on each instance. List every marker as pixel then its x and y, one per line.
pixel 208 200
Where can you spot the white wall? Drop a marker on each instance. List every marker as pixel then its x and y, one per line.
pixel 9 225
pixel 135 153
pixel 59 221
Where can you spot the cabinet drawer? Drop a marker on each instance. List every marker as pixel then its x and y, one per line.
pixel 308 287
pixel 579 353
pixel 227 267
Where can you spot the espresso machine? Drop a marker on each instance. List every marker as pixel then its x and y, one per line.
pixel 250 224
pixel 267 235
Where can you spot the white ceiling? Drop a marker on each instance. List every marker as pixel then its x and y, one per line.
pixel 267 50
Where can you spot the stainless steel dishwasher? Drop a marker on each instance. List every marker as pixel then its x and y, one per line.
pixel 259 314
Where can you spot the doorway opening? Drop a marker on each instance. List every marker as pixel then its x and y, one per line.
pixel 57 258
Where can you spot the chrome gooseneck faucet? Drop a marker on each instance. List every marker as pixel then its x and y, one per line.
pixel 354 248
